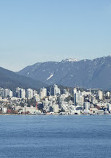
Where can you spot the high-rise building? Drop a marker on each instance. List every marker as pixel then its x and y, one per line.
pixel 20 93
pixel 100 95
pixel 35 92
pixel 8 93
pixel 43 93
pixel 29 93
pixel 75 95
pixel 55 90
pixel 78 97
pixel 1 92
pixel 108 94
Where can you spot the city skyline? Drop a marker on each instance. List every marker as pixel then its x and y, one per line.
pixel 38 31
pixel 55 100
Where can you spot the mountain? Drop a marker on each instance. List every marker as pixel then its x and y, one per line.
pixel 9 79
pixel 94 73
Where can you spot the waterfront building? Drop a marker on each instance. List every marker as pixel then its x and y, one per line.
pixel 4 110
pixel 86 107
pixel 109 107
pixel 55 108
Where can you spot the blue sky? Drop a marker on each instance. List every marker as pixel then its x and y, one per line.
pixel 42 30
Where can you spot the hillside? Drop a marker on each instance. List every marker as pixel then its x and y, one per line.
pixel 9 79
pixel 84 73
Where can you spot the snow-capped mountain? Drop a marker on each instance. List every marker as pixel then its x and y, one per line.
pixel 70 60
pixel 94 73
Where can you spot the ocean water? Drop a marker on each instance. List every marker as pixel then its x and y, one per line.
pixel 55 136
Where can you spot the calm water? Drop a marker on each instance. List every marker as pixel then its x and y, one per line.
pixel 55 136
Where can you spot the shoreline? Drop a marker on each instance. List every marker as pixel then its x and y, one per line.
pixel 55 115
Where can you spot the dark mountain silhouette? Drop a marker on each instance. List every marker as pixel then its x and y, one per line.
pixel 9 79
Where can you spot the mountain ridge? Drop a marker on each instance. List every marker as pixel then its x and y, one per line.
pixel 86 73
pixel 11 80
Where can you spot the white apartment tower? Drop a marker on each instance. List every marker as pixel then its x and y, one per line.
pixel 100 95
pixel 56 90
pixel 20 92
pixel 43 93
pixel 8 93
pixel 30 93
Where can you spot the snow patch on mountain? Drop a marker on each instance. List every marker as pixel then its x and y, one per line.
pixel 50 77
pixel 70 60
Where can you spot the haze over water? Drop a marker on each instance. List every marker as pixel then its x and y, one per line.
pixel 55 136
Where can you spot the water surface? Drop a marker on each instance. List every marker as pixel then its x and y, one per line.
pixel 55 136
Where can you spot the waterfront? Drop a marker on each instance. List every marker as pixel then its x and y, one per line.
pixel 55 136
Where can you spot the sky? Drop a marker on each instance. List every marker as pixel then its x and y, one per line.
pixel 52 30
